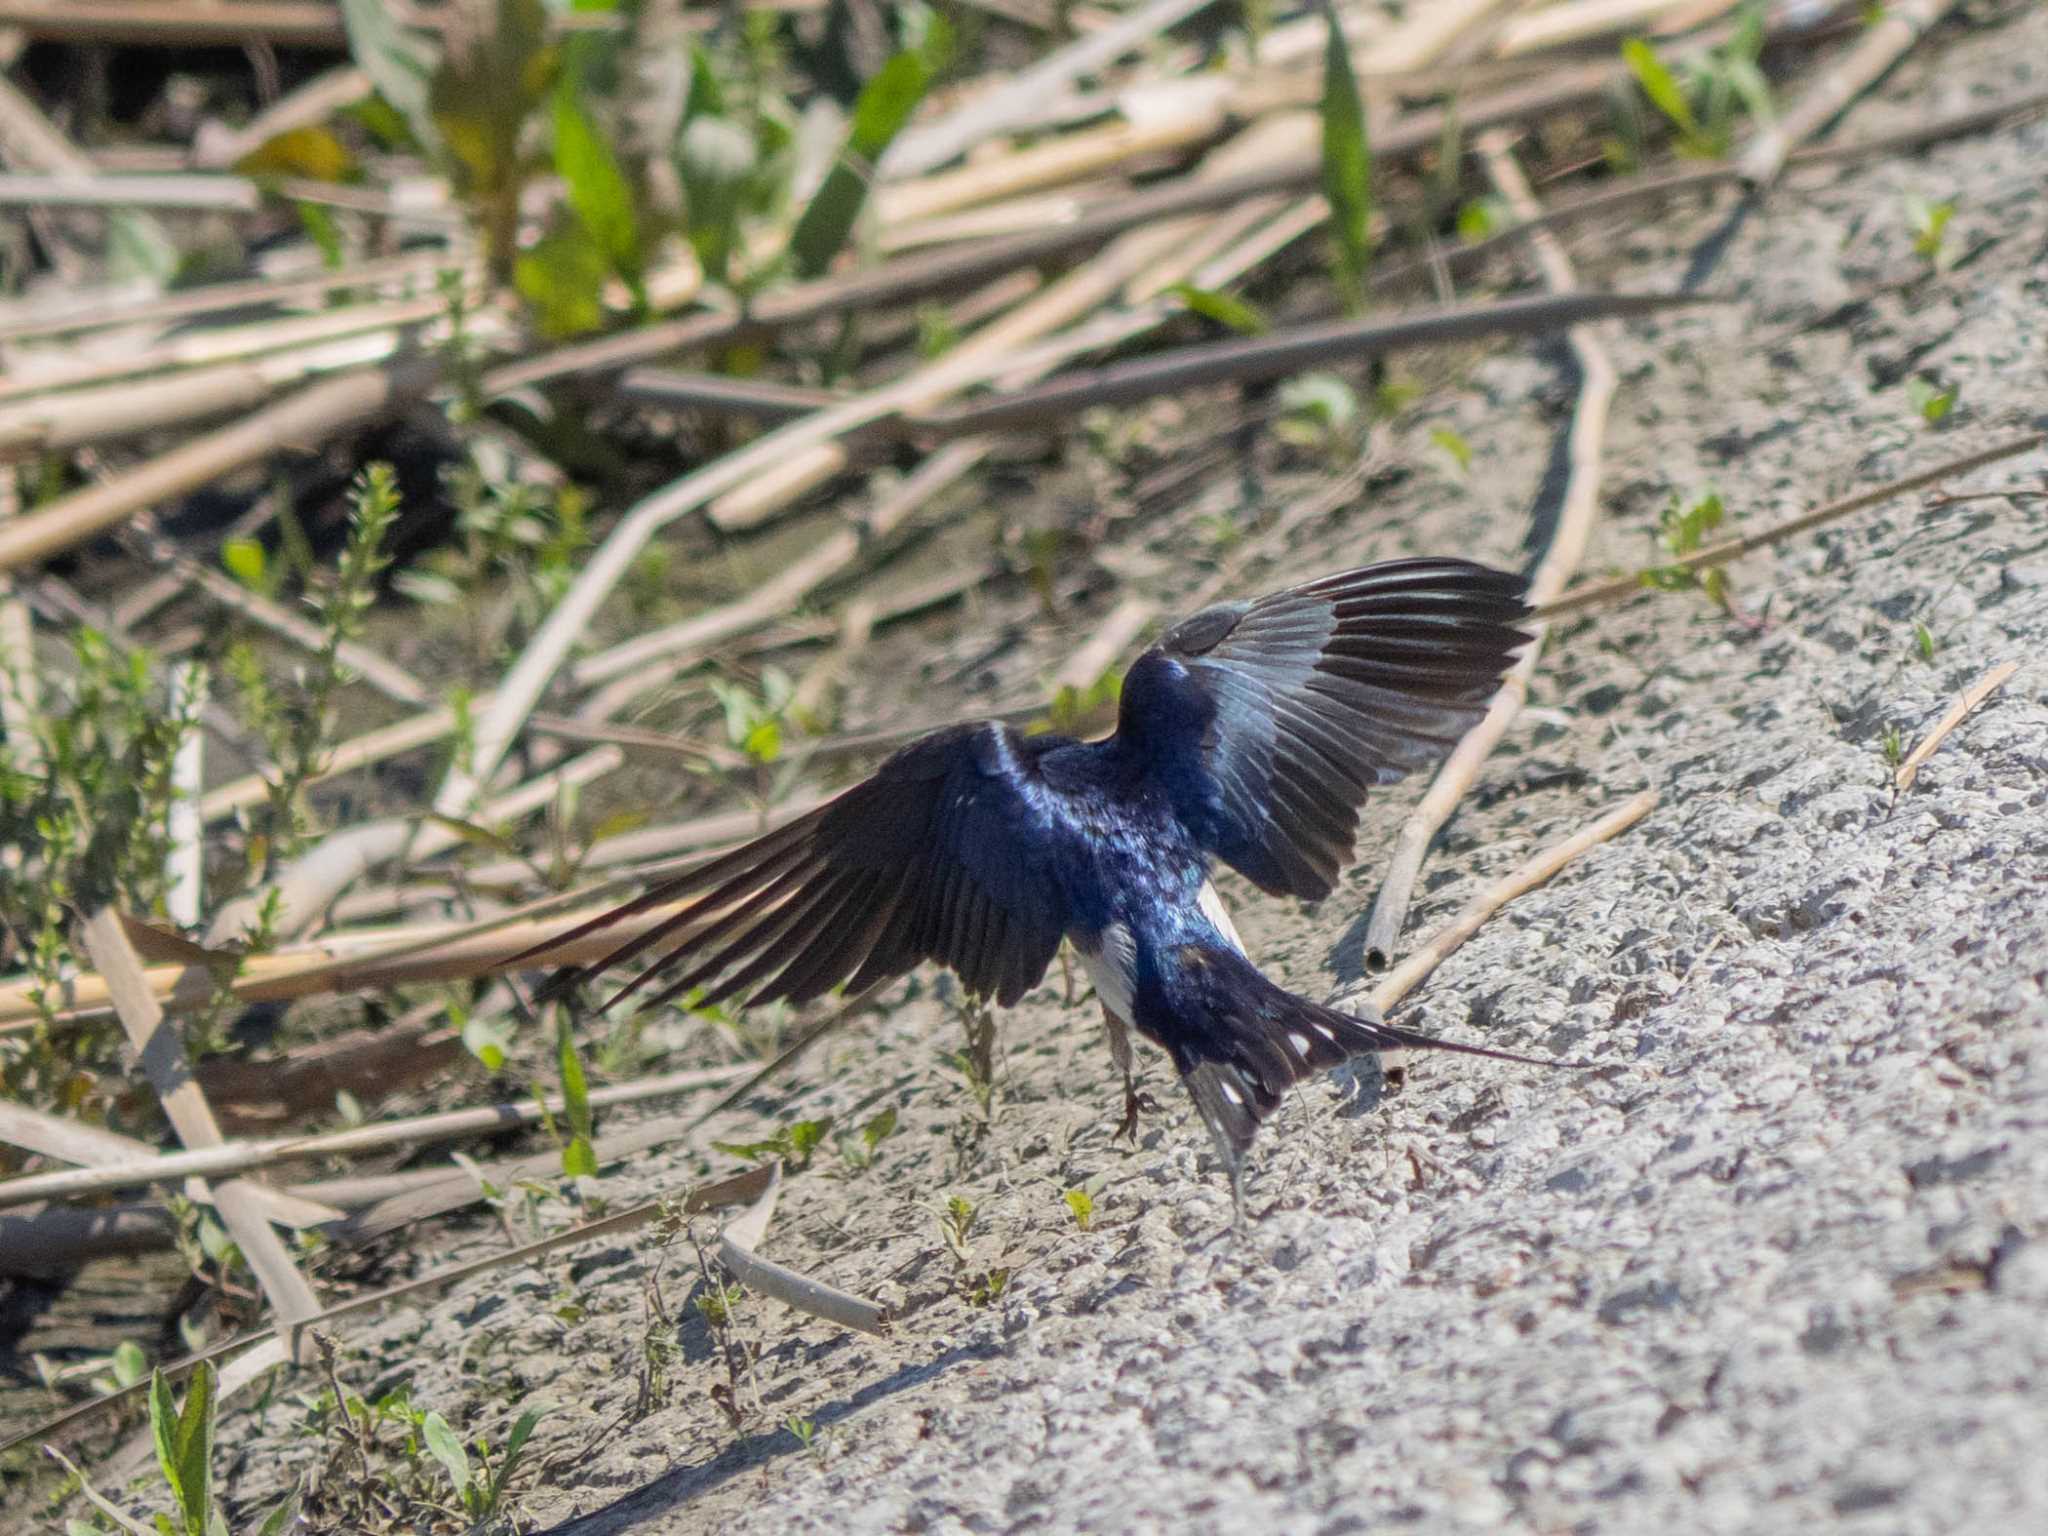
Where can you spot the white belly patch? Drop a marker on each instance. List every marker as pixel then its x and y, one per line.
pixel 1113 969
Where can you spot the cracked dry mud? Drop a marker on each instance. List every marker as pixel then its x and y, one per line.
pixel 1781 1262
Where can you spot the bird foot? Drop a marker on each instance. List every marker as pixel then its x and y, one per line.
pixel 1135 1104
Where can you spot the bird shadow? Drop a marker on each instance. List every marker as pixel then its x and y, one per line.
pixel 676 1487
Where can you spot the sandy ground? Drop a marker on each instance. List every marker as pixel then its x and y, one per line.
pixel 1780 1262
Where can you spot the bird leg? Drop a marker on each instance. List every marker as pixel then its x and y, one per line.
pixel 1120 1052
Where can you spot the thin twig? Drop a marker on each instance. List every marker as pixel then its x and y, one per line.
pixel 1281 353
pixel 1958 712
pixel 231 1157
pixel 35 374
pixel 1596 593
pixel 1569 536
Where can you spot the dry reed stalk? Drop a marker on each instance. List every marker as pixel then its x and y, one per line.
pixel 779 595
pixel 305 888
pixel 20 681
pixel 1899 26
pixel 243 1209
pixel 72 1141
pixel 179 23
pixel 304 106
pixel 185 864
pixel 702 835
pixel 184 191
pixel 1965 705
pixel 949 269
pixel 1427 956
pixel 1566 548
pixel 302 420
pixel 50 314
pixel 34 374
pixel 1054 163
pixel 1058 305
pixel 237 1157
pixel 340 962
pixel 1560 26
pixel 927 146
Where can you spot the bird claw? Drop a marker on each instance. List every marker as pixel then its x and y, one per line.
pixel 1135 1104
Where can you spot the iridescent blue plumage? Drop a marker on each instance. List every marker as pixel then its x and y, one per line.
pixel 1249 735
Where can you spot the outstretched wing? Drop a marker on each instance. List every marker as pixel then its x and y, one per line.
pixel 935 857
pixel 1268 721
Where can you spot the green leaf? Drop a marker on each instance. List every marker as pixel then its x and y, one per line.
pixel 561 278
pixel 319 223
pixel 579 1160
pixel 804 1137
pixel 598 190
pixel 879 1129
pixel 184 1444
pixel 1454 445
pixel 885 104
pixel 311 152
pixel 516 1441
pixel 130 1363
pixel 1930 400
pixel 486 1040
pixel 480 100
pixel 1481 217
pixel 752 1151
pixel 163 1431
pixel 1923 640
pixel 1661 86
pixel 245 561
pixel 1082 1204
pixel 1224 308
pixel 447 1449
pixel 1347 165
pixel 476 836
pixel 1930 222
pixel 764 742
pixel 398 63
pixel 508 1458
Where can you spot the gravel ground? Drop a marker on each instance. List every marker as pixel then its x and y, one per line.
pixel 1780 1262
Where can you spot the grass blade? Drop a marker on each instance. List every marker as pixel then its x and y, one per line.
pixel 1347 166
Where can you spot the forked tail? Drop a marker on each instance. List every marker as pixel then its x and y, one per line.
pixel 1241 1042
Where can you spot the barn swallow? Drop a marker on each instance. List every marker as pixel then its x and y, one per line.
pixel 1250 734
